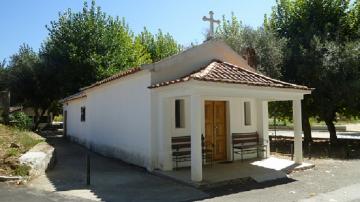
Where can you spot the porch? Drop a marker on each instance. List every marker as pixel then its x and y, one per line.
pixel 218 174
pixel 210 107
pixel 199 132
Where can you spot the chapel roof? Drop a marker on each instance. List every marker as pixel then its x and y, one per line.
pixel 223 72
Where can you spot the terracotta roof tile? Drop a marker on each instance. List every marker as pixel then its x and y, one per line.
pixel 224 72
pixel 73 97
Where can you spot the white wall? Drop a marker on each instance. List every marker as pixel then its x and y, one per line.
pixel 117 119
pixel 235 118
pixel 193 59
pixel 75 128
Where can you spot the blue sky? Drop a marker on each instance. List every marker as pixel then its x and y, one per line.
pixel 24 21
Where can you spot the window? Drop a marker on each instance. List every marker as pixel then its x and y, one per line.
pixel 82 114
pixel 247 113
pixel 179 113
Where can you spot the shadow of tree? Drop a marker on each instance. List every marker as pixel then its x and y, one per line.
pixel 319 148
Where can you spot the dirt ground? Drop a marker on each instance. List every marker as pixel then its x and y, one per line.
pixel 14 143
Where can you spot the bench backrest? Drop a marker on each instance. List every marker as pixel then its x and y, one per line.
pixel 181 143
pixel 245 139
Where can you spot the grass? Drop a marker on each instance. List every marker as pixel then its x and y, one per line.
pixel 14 143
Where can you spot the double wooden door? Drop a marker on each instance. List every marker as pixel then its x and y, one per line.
pixel 215 129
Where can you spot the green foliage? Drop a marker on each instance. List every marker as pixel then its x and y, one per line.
pixel 12 152
pixel 21 121
pixel 59 118
pixel 320 53
pixel 21 170
pixel 160 45
pixel 22 75
pixel 81 48
pixel 3 72
pixel 28 80
pixel 269 51
pixel 341 73
pixel 27 141
pixel 280 110
pixel 268 48
pixel 86 46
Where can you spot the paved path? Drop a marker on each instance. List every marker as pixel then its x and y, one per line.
pixel 330 180
pixel 349 193
pixel 112 180
pixel 16 194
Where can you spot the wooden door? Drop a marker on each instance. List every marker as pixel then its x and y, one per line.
pixel 215 128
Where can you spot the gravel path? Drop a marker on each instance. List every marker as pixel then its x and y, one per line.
pixel 327 177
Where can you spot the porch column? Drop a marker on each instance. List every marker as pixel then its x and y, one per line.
pixel 263 123
pixel 196 151
pixel 165 128
pixel 298 153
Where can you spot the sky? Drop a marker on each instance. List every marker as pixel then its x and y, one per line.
pixel 24 21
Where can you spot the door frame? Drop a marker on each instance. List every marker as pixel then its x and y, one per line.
pixel 227 117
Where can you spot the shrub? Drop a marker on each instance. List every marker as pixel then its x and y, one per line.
pixel 59 118
pixel 21 121
pixel 22 170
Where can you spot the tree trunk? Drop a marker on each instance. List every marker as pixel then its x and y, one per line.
pixel 5 99
pixel 37 118
pixel 332 130
pixel 307 129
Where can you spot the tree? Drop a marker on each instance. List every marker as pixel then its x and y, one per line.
pixel 268 48
pixel 160 45
pixel 84 47
pixel 3 73
pixel 340 73
pixel 28 82
pixel 307 25
pixel 354 20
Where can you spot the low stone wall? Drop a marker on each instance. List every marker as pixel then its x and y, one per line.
pixel 39 158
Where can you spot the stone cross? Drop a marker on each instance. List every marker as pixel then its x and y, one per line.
pixel 212 21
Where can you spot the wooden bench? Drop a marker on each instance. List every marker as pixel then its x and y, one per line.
pixel 181 150
pixel 246 143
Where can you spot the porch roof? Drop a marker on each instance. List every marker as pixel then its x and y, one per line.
pixel 223 72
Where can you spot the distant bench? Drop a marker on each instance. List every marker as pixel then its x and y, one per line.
pixel 246 143
pixel 181 149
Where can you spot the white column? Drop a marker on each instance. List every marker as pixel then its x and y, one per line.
pixel 165 127
pixel 298 154
pixel 263 123
pixel 196 151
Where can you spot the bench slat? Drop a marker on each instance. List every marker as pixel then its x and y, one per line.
pixel 181 146
pixel 240 136
pixel 245 141
pixel 181 153
pixel 181 139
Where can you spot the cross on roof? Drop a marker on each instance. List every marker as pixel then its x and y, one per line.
pixel 212 21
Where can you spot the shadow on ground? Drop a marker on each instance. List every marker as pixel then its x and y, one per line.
pixel 114 180
pixel 319 148
pixel 111 180
pixel 248 186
